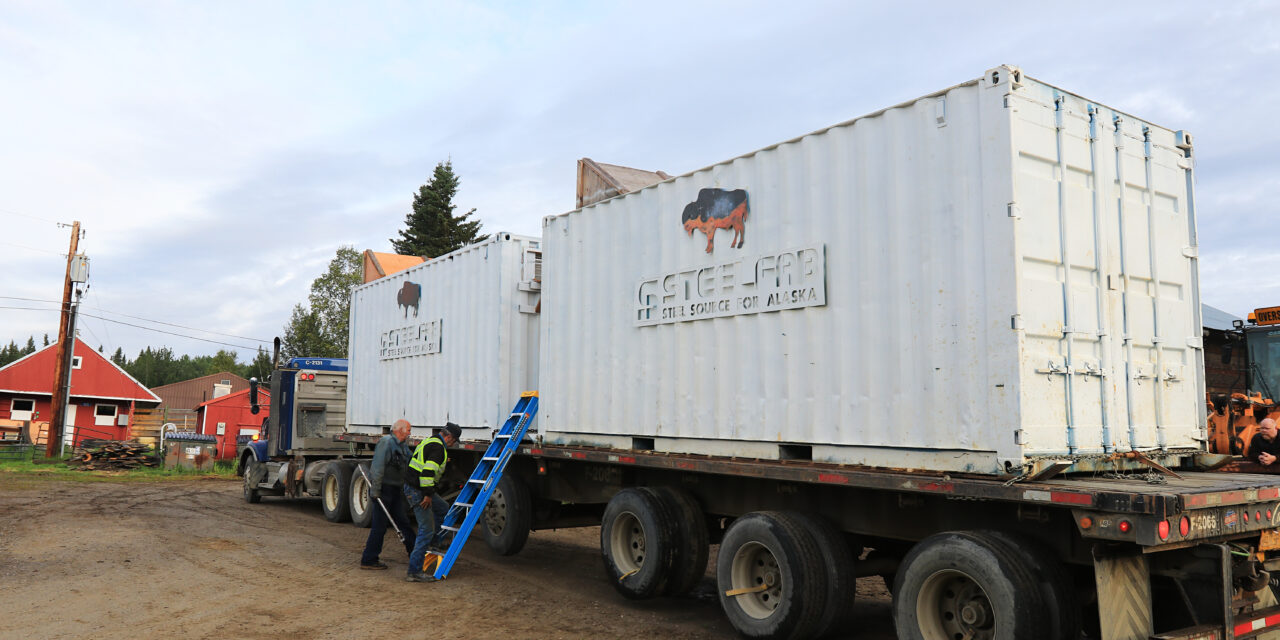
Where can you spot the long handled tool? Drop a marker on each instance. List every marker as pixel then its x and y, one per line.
pixel 399 533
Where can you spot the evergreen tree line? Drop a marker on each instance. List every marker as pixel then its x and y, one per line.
pixel 158 367
pixel 13 352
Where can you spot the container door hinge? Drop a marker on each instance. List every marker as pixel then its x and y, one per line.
pixel 1014 211
pixel 1019 437
pixel 940 112
pixel 1015 322
pixel 1195 342
pixel 1191 252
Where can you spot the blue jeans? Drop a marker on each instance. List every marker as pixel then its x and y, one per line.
pixel 378 528
pixel 429 523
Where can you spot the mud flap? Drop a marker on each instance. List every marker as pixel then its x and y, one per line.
pixel 1124 595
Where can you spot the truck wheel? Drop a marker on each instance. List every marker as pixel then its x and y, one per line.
pixel 690 562
pixel 842 580
pixel 770 577
pixel 251 493
pixel 966 585
pixel 1062 603
pixel 637 542
pixel 361 506
pixel 335 490
pixel 507 516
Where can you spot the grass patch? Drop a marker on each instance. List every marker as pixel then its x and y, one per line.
pixel 24 471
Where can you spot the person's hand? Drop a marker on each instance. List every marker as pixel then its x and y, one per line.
pixel 426 502
pixel 1266 458
pixel 374 495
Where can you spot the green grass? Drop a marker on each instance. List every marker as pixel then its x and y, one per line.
pixel 25 472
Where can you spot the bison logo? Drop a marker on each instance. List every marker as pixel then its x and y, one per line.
pixel 408 296
pixel 717 209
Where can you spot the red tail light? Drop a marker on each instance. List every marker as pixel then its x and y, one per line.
pixel 1125 526
pixel 1184 526
pixel 1163 529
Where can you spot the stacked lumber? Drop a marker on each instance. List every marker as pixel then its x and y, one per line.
pixel 112 455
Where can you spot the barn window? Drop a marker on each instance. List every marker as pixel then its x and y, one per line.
pixel 104 415
pixel 226 382
pixel 20 409
pixel 75 362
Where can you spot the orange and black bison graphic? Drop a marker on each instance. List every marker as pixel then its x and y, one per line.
pixel 408 297
pixel 717 209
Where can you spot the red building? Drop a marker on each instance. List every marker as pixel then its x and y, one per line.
pixel 103 396
pixel 228 417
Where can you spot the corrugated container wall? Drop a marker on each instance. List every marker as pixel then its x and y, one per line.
pixel 996 273
pixel 453 339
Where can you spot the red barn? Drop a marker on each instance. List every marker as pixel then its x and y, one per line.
pixel 103 396
pixel 228 417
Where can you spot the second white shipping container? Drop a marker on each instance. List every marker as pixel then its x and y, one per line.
pixel 452 339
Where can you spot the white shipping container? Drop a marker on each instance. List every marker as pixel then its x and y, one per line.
pixel 999 273
pixel 452 339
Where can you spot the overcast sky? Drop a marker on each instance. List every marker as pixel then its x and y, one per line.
pixel 218 153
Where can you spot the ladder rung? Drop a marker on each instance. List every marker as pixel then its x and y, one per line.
pixel 517 415
pixel 476 481
pixel 463 504
pixel 489 458
pixel 502 435
pixel 453 529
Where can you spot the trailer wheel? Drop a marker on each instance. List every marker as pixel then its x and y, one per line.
pixel 1062 603
pixel 692 541
pixel 361 507
pixel 838 559
pixel 507 516
pixel 335 490
pixel 251 493
pixel 967 585
pixel 770 577
pixel 637 542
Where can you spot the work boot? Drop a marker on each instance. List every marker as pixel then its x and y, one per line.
pixel 377 566
pixel 418 576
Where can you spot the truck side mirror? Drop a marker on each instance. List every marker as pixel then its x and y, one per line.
pixel 253 396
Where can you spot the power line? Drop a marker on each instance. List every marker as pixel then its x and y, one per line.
pixel 138 326
pixel 23 246
pixel 117 313
pixel 27 215
pixel 180 335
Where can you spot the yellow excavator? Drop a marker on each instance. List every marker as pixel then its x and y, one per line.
pixel 1234 418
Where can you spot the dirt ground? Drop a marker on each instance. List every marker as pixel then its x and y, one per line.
pixel 191 559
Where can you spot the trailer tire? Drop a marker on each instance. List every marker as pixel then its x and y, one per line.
pixel 637 542
pixel 842 579
pixel 335 492
pixel 362 507
pixel 1062 603
pixel 689 565
pixel 251 493
pixel 773 552
pixel 962 583
pixel 507 516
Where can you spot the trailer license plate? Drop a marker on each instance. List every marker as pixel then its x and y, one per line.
pixel 1204 524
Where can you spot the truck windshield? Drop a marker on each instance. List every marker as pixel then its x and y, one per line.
pixel 1264 359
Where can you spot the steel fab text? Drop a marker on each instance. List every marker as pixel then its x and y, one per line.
pixel 784 280
pixel 412 340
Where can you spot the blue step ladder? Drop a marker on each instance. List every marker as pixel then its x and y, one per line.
pixel 476 492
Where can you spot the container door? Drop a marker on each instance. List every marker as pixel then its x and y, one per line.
pixel 1108 292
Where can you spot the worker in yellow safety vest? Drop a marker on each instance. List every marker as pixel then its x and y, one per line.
pixel 426 467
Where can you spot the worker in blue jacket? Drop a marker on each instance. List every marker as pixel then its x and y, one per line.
pixel 421 487
pixel 386 476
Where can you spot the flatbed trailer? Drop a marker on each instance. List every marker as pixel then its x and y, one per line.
pixel 1152 554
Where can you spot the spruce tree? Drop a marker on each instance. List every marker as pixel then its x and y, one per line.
pixel 431 228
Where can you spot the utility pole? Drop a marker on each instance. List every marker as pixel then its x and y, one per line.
pixel 66 348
